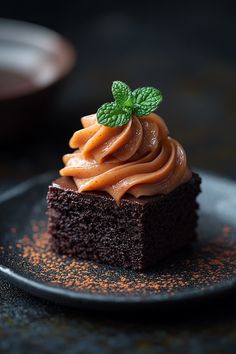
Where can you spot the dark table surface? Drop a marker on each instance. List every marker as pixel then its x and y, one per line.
pixel 29 325
pixel 192 61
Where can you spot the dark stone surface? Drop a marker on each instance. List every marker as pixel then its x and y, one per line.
pixel 29 325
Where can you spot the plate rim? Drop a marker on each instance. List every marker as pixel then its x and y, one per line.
pixel 45 291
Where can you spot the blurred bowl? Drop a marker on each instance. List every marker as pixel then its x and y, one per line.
pixel 34 63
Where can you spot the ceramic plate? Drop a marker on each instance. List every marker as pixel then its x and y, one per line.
pixel 206 268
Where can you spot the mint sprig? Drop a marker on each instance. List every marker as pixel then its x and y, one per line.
pixel 140 102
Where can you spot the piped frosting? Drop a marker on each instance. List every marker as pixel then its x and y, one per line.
pixel 138 158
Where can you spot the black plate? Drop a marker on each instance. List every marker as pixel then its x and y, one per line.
pixel 206 268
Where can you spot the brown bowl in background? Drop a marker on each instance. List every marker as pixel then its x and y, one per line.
pixel 34 63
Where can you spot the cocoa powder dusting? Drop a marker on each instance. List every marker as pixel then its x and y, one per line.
pixel 202 265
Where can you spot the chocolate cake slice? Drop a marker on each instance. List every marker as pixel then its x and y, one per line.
pixel 135 234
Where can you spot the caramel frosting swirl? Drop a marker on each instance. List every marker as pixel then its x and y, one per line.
pixel 138 158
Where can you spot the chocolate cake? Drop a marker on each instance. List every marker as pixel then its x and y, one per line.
pixel 134 235
pixel 127 196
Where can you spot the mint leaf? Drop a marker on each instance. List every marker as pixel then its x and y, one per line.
pixel 140 102
pixel 112 115
pixel 146 100
pixel 122 94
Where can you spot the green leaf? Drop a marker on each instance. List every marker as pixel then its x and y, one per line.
pixel 140 102
pixel 112 115
pixel 146 100
pixel 122 94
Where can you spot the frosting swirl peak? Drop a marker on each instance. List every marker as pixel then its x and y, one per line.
pixel 138 158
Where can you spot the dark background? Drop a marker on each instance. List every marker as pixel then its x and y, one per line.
pixel 185 48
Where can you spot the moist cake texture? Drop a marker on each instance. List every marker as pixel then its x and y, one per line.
pixel 135 234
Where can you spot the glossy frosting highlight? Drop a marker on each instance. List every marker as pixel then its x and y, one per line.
pixel 138 158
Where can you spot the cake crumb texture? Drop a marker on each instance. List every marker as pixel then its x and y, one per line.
pixel 134 235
